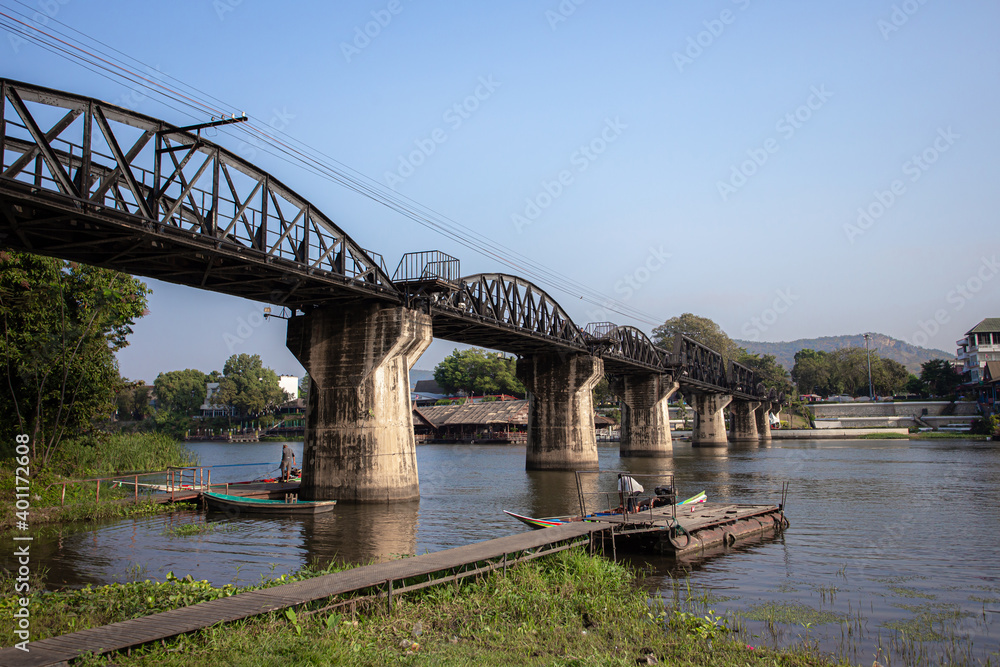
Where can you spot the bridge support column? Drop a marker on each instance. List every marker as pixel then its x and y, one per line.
pixel 761 416
pixel 560 410
pixel 710 427
pixel 645 428
pixel 359 445
pixel 743 415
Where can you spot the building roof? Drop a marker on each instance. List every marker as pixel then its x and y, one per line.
pixel 989 325
pixel 992 372
pixel 493 412
pixel 482 414
pixel 429 387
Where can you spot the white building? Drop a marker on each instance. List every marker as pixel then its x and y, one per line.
pixel 981 344
pixel 290 385
pixel 210 408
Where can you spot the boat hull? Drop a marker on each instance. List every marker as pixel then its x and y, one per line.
pixel 236 505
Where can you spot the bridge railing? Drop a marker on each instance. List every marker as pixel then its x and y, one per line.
pixel 427 265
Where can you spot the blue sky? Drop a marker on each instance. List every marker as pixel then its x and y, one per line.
pixel 787 169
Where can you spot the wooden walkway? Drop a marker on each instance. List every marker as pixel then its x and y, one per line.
pixel 448 565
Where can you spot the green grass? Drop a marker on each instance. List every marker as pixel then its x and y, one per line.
pixel 883 436
pixel 189 529
pixel 946 435
pixel 566 609
pixel 790 613
pixel 90 456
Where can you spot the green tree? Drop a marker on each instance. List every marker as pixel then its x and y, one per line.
pixel 770 372
pixel 848 370
pixel 940 377
pixel 811 372
pixel 476 371
pixel 700 329
pixel 888 376
pixel 304 387
pixel 133 401
pixel 602 392
pixel 249 387
pixel 915 385
pixel 62 324
pixel 181 391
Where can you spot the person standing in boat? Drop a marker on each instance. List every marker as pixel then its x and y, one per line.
pixel 287 461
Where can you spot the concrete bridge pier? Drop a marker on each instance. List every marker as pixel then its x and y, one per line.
pixel 742 415
pixel 359 445
pixel 761 416
pixel 560 410
pixel 645 425
pixel 710 425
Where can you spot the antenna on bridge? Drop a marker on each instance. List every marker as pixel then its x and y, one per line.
pixel 213 123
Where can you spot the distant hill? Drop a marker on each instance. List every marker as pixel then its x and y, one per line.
pixel 416 375
pixel 888 347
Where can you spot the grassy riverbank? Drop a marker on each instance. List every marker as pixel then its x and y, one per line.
pixel 567 609
pixel 100 455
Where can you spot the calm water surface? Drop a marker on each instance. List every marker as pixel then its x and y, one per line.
pixel 892 543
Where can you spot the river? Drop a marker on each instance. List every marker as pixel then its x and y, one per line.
pixel 892 543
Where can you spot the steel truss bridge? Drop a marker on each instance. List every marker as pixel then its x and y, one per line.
pixel 87 181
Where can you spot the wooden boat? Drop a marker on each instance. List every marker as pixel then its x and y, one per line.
pixel 548 522
pixel 235 505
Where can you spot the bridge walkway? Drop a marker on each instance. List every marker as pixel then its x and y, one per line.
pixel 439 567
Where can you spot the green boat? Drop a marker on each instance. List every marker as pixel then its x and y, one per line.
pixel 235 505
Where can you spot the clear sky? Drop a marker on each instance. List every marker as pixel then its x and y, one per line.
pixel 788 169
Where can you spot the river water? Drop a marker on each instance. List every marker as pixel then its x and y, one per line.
pixel 892 544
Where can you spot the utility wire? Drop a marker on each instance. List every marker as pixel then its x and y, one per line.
pixel 306 158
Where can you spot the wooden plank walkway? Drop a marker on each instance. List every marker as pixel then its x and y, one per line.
pixel 126 634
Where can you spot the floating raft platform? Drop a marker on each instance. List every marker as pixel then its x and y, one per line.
pixel 694 528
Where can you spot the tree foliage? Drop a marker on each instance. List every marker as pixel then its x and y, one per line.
pixel 940 377
pixel 181 391
pixel 845 371
pixel 602 392
pixel 249 387
pixel 767 369
pixel 133 401
pixel 62 324
pixel 476 371
pixel 701 329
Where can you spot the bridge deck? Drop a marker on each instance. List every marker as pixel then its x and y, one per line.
pixel 448 565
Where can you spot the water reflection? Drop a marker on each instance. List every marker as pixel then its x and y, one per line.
pixel 874 521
